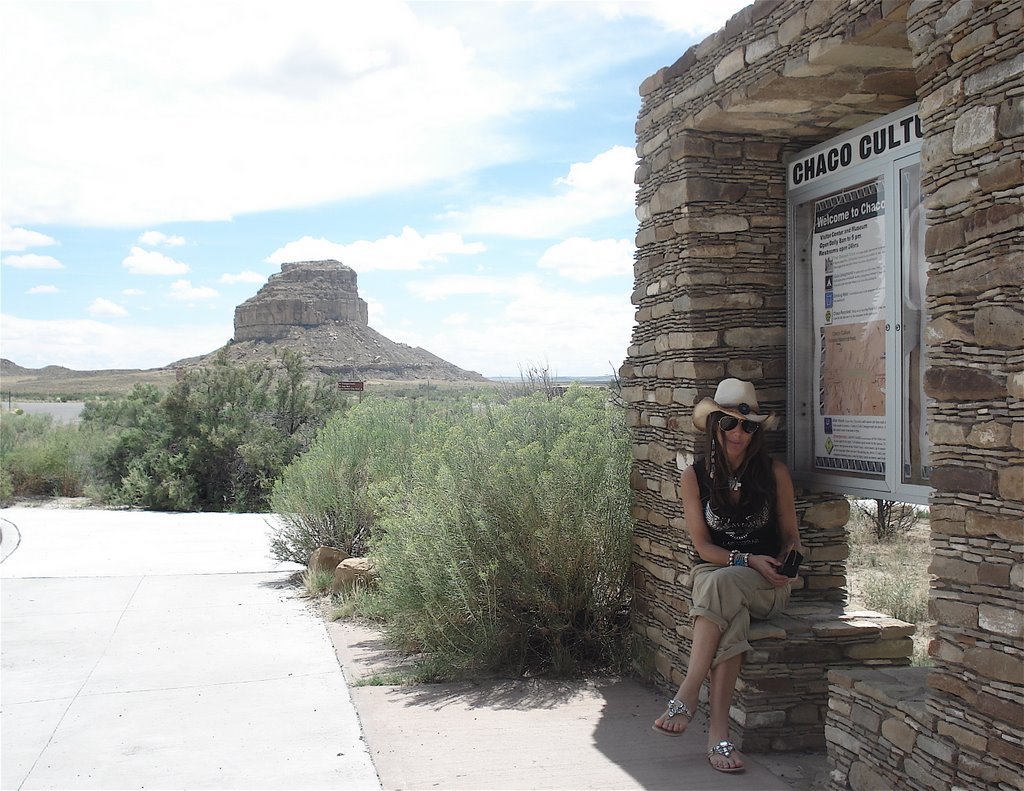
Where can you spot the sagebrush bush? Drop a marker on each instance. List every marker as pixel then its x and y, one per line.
pixel 331 495
pixel 40 457
pixel 902 595
pixel 507 546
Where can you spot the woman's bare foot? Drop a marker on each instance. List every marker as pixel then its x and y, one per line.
pixel 724 757
pixel 675 719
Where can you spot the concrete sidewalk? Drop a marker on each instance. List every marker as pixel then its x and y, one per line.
pixel 536 734
pixel 159 651
pixel 144 650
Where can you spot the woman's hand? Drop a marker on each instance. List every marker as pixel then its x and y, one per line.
pixel 768 567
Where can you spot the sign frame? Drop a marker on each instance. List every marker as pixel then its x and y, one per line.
pixel 826 175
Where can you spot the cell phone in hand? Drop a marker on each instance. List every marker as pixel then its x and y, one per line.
pixel 791 565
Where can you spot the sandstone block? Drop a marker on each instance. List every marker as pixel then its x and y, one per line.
pixel 973 41
pixel 998 73
pixel 863 778
pixel 1005 175
pixel 828 515
pixel 325 559
pixel 1009 528
pixel 899 733
pixel 791 29
pixel 992 434
pixel 974 129
pixel 1011 119
pixel 353 572
pixel 1001 619
pixel 962 384
pixel 1011 483
pixel 729 65
pixel 994 664
pixel 999 327
pixel 954 478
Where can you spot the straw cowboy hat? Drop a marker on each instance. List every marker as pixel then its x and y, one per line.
pixel 734 397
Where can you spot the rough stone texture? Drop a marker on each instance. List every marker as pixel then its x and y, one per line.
pixel 325 559
pixel 353 572
pixel 302 294
pixel 314 308
pixel 713 133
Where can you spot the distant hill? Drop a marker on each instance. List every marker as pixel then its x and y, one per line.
pixel 57 381
pixel 309 307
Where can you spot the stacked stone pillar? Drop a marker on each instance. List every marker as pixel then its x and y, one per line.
pixel 970 64
pixel 713 134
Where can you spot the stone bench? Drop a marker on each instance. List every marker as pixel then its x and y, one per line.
pixel 782 695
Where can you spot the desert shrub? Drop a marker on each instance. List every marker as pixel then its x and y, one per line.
pixel 218 439
pixel 40 457
pixel 507 543
pixel 888 519
pixel 331 495
pixel 899 593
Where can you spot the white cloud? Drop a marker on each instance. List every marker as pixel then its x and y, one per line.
pixel 584 260
pixel 571 333
pixel 158 239
pixel 463 285
pixel 32 261
pixel 408 251
pixel 262 121
pixel 88 345
pixel 22 239
pixel 589 192
pixel 456 319
pixel 694 18
pixel 43 290
pixel 104 307
pixel 243 277
pixel 183 289
pixel 150 262
pixel 132 292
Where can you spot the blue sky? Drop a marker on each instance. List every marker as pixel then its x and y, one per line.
pixel 472 161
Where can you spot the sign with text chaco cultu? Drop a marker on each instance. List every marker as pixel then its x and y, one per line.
pixel 857 148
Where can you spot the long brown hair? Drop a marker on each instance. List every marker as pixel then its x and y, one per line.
pixel 756 475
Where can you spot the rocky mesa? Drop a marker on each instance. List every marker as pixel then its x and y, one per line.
pixel 314 308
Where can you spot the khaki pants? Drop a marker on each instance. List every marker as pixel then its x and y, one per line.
pixel 729 596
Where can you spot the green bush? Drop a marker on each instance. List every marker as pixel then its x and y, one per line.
pixel 900 594
pixel 219 438
pixel 331 495
pixel 507 545
pixel 39 457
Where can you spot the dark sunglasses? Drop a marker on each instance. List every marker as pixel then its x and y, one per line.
pixel 728 423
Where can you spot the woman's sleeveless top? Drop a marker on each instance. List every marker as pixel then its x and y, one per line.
pixel 748 527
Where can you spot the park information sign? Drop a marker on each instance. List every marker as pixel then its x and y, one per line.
pixel 855 279
pixel 848 270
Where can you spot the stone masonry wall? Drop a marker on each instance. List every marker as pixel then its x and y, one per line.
pixel 710 275
pixel 970 64
pixel 713 134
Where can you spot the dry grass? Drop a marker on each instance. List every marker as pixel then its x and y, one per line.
pixel 892 577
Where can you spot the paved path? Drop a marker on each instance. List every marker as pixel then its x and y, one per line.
pixel 167 651
pixel 148 650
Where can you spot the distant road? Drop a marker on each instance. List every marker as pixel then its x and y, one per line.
pixel 62 412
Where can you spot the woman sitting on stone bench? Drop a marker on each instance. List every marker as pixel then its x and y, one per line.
pixel 739 510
